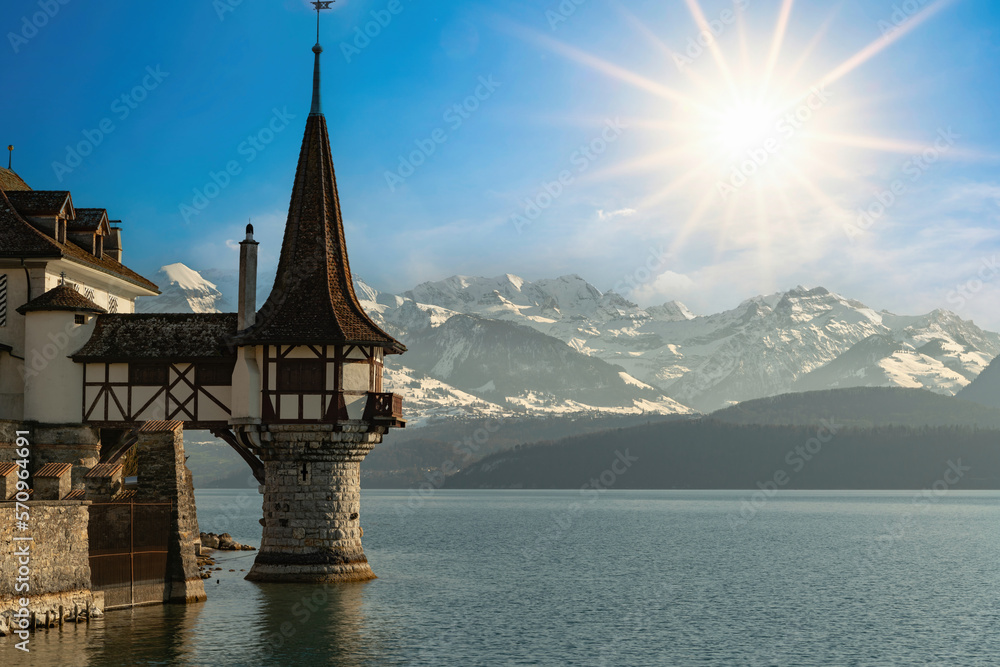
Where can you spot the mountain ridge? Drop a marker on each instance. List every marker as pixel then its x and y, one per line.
pixel 627 359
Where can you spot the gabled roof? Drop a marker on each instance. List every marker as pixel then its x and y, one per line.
pixel 54 470
pixel 161 337
pixel 104 470
pixel 19 239
pixel 61 297
pixel 10 181
pixel 313 299
pixel 89 220
pixel 42 203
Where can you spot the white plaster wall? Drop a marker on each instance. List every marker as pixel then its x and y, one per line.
pixel 289 407
pixel 312 407
pixel 53 391
pixel 355 405
pixel 104 285
pixel 141 396
pixel 356 377
pixel 246 401
pixel 11 388
pixel 208 410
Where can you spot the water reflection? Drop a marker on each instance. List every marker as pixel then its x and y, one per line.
pixel 146 635
pixel 314 625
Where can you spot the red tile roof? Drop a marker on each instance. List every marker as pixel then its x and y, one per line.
pixel 104 470
pixel 53 470
pixel 161 426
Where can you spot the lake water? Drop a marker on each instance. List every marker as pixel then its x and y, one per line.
pixel 623 578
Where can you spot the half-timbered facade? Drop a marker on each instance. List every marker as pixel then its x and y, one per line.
pixel 172 367
pixel 295 388
pixel 312 358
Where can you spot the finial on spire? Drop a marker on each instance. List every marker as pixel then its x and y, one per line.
pixel 62 278
pixel 317 106
pixel 10 154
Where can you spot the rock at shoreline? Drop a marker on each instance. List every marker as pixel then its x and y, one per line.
pixel 223 542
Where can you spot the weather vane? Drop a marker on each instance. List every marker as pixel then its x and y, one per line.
pixel 321 5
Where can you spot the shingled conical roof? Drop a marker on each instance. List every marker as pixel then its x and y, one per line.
pixel 61 297
pixel 313 299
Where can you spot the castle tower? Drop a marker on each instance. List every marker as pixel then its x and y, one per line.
pixel 311 359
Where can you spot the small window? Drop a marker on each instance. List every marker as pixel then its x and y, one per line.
pixel 80 319
pixel 148 375
pixel 214 374
pixel 301 375
pixel 112 304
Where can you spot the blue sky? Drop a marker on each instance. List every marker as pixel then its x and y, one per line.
pixel 650 207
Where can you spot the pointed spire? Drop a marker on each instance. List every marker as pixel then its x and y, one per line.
pixel 317 105
pixel 313 299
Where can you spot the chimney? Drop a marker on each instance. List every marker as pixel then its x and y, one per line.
pixel 248 281
pixel 113 244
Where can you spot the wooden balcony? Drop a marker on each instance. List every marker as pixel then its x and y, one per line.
pixel 385 408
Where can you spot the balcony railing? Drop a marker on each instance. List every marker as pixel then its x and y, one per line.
pixel 384 406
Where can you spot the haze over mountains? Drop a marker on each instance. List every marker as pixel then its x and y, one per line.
pixel 487 346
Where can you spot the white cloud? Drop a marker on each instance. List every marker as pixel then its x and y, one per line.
pixel 620 213
pixel 668 286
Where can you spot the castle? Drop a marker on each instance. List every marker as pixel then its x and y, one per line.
pixel 94 399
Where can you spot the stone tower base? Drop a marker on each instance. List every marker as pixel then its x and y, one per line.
pixel 312 505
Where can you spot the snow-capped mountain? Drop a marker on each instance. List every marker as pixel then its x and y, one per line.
pixel 765 346
pixel 184 290
pixel 490 345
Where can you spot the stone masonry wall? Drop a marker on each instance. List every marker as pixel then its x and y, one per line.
pixel 312 505
pixel 79 445
pixel 58 565
pixel 164 477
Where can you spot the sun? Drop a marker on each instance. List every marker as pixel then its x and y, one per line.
pixel 754 139
pixel 741 126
